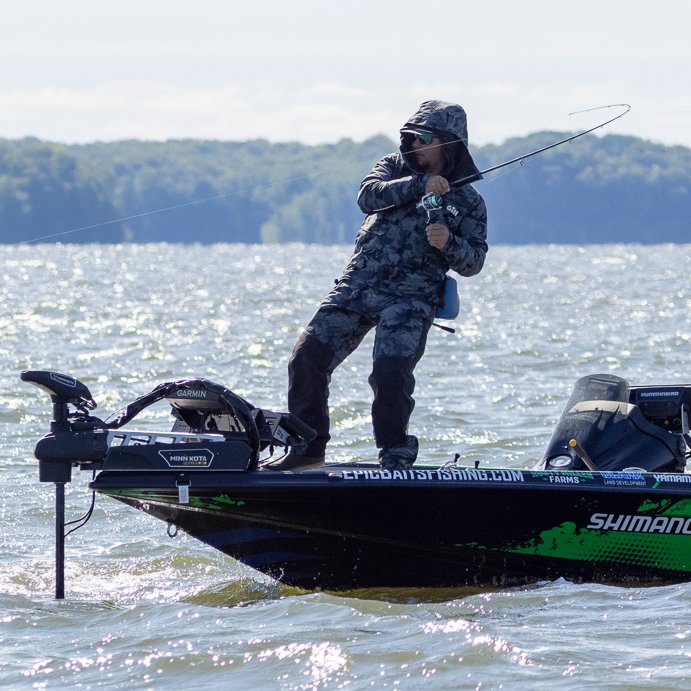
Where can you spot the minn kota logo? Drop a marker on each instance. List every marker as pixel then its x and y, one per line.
pixel 189 458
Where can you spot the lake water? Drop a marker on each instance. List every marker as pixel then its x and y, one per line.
pixel 143 610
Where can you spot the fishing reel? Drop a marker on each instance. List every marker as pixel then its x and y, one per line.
pixel 433 205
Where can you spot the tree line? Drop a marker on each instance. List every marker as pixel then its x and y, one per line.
pixel 596 189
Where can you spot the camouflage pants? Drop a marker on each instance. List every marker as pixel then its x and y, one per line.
pixel 341 322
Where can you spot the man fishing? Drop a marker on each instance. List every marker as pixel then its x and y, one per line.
pixel 393 283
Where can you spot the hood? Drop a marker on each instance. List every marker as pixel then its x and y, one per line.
pixel 449 122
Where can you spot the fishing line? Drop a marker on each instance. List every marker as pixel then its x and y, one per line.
pixel 195 202
pixel 455 183
pixel 167 208
pixel 183 205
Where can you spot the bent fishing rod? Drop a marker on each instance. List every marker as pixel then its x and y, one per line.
pixel 519 159
pixel 433 202
pixel 430 202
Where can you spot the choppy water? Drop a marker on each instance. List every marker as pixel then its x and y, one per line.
pixel 147 611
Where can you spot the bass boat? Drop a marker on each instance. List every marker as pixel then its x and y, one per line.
pixel 609 501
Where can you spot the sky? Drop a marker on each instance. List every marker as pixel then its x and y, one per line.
pixel 77 71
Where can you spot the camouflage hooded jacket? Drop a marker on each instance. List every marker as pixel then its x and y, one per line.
pixel 392 253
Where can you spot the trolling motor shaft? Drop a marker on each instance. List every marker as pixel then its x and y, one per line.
pixel 56 452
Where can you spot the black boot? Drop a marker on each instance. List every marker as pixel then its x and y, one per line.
pixel 399 457
pixel 295 462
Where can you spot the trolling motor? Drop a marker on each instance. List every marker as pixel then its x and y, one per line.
pixel 55 458
pixel 214 430
pixel 75 437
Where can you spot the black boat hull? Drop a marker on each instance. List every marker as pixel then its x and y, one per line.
pixel 625 519
pixel 358 527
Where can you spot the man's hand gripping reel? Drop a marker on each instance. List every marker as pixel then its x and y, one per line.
pixel 433 205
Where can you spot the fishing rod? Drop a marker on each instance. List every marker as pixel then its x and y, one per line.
pixel 431 202
pixel 477 176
